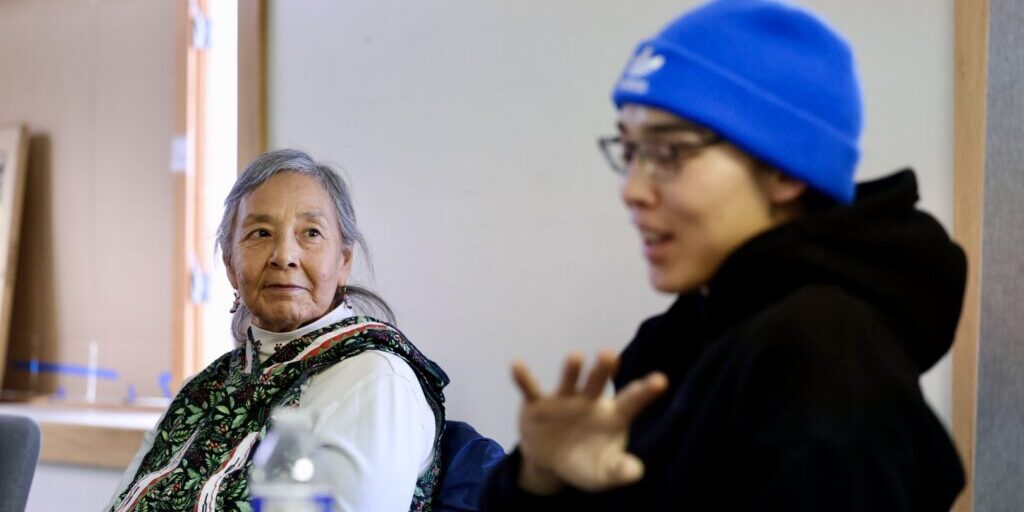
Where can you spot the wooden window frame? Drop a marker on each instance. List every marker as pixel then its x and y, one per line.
pixel 970 88
pixel 192 248
pixel 111 446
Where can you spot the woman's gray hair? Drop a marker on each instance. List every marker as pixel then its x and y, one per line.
pixel 292 160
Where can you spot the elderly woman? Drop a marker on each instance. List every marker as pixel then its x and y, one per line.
pixel 287 239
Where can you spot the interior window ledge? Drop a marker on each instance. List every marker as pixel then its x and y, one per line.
pixel 87 436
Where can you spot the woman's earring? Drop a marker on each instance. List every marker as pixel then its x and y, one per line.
pixel 235 305
pixel 344 296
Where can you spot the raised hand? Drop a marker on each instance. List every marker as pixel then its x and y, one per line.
pixel 577 436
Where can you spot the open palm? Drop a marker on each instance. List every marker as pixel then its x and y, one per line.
pixel 577 436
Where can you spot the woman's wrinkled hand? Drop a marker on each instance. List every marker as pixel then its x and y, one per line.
pixel 577 436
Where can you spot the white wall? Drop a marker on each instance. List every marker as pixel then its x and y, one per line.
pixel 467 129
pixel 65 487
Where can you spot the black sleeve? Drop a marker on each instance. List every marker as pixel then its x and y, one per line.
pixel 503 494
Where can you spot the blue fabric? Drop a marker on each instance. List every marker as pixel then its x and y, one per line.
pixel 769 77
pixel 466 460
pixel 19 452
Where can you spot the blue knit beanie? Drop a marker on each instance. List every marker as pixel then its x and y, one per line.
pixel 772 79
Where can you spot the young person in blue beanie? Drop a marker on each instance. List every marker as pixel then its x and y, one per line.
pixel 785 376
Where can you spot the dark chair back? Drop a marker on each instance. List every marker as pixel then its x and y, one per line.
pixel 19 453
pixel 466 460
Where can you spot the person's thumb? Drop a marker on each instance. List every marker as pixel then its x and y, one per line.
pixel 628 469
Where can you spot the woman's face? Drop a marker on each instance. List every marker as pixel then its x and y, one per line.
pixel 690 222
pixel 287 258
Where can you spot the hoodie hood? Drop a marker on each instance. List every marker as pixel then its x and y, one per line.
pixel 882 249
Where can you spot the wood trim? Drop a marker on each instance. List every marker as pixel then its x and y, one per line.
pixel 186 348
pixel 252 80
pixel 15 140
pixel 89 445
pixel 970 88
pixel 195 167
pixel 179 272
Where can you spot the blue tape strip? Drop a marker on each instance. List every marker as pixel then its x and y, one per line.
pixel 67 369
pixel 164 380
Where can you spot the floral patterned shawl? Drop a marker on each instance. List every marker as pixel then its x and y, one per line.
pixel 203 448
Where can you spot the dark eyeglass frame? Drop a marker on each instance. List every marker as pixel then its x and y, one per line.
pixel 678 153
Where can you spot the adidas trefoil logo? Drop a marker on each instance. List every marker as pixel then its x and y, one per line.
pixel 644 63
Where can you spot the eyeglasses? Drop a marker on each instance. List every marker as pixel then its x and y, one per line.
pixel 661 162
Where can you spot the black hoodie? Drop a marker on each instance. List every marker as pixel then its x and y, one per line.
pixel 794 375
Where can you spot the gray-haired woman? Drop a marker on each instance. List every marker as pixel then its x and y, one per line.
pixel 287 239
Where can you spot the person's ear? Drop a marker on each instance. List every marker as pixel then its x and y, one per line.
pixel 781 189
pixel 346 265
pixel 230 270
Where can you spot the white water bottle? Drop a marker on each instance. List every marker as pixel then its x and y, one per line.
pixel 288 473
